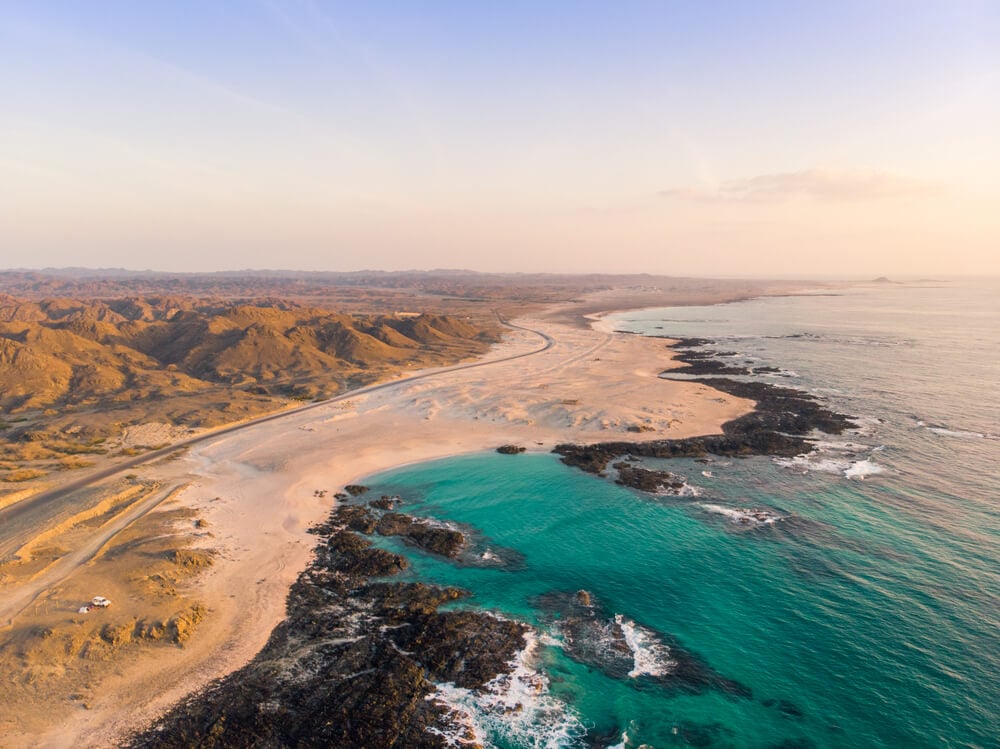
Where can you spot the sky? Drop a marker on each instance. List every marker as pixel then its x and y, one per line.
pixel 808 139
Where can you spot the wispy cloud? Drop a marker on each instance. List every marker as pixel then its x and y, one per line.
pixel 816 184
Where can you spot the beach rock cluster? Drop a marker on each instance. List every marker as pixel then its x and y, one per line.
pixel 597 457
pixel 511 449
pixel 386 502
pixel 648 480
pixel 353 664
pixel 465 547
pixel 779 409
pixel 422 533
pixel 703 362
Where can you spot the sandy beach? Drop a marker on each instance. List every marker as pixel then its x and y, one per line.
pixel 257 488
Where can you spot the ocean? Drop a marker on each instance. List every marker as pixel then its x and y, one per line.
pixel 859 606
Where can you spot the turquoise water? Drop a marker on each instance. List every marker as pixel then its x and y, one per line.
pixel 868 616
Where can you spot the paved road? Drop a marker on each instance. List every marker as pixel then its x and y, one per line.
pixel 10 515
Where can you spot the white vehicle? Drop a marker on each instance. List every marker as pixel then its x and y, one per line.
pixel 100 601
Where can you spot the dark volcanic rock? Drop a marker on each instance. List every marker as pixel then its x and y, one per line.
pixel 689 343
pixel 706 366
pixel 385 502
pixel 464 647
pixel 353 555
pixel 355 490
pixel 510 449
pixel 595 458
pixel 702 362
pixel 397 601
pixel 779 409
pixel 775 427
pixel 356 518
pixel 424 534
pixel 352 665
pixel 596 638
pixel 646 480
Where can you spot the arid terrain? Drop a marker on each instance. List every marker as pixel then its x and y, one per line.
pixel 82 378
pixel 196 547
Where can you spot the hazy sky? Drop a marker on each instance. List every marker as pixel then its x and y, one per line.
pixel 791 138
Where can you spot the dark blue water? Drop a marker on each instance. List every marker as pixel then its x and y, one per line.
pixel 865 615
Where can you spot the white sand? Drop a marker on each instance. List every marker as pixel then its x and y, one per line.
pixel 256 487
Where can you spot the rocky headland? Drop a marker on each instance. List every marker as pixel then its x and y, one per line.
pixel 779 425
pixel 357 661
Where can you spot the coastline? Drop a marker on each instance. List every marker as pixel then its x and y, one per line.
pixel 256 488
pixel 348 587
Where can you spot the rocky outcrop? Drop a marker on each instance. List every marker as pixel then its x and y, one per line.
pixel 596 638
pixel 646 480
pixel 385 502
pixel 777 426
pixel 422 533
pixel 353 664
pixel 510 449
pixel 596 458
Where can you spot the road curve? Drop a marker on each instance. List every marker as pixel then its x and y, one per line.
pixel 13 512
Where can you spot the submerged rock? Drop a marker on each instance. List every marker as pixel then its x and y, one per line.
pixel 625 650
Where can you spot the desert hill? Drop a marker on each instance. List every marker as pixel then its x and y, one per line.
pixel 66 353
pixel 73 372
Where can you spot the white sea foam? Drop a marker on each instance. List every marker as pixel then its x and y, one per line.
pixel 685 490
pixel 649 656
pixel 744 515
pixel 813 462
pixel 515 708
pixel 789 373
pixel 841 446
pixel 860 469
pixel 963 434
pixel 623 744
pixel 817 462
pixel 688 490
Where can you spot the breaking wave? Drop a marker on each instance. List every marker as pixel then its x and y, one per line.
pixel 744 515
pixel 650 657
pixel 860 469
pixel 963 434
pixel 514 708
